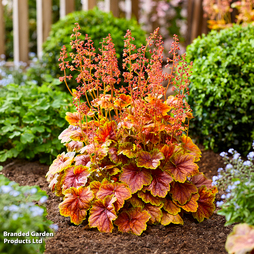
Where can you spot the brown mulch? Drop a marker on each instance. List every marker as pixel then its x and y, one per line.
pixel 208 237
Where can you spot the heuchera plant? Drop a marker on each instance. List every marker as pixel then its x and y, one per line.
pixel 130 161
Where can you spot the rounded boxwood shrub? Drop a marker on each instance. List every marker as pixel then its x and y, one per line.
pixel 222 88
pixel 97 24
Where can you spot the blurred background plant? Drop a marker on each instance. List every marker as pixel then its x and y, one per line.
pixel 23 210
pixel 219 13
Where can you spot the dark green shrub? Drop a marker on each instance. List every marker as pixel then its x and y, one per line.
pixel 97 25
pixel 31 119
pixel 222 88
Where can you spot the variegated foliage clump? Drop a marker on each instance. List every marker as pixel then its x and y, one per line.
pixel 130 161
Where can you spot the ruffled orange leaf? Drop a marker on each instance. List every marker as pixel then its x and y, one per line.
pixel 118 190
pixel 168 218
pixel 128 149
pixel 206 205
pixel 123 100
pixel 74 146
pixel 171 208
pixel 149 159
pixel 158 105
pixel 182 166
pixel 55 184
pixel 95 186
pixel 182 192
pixel 154 212
pixel 73 118
pixel 102 214
pixel 100 151
pixel 200 180
pixel 167 151
pixel 133 221
pixel 160 184
pixel 65 135
pixel 136 201
pixel 106 131
pixel 135 177
pixel 117 159
pixel 76 203
pixel 59 164
pixel 75 176
pixel 188 145
pixel 82 160
pixel 147 197
pixel 241 240
pixel 191 205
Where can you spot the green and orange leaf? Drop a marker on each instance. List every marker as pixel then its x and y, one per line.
pixel 206 205
pixel 160 184
pixel 149 159
pixel 118 190
pixel 95 186
pixel 102 214
pixel 107 131
pixel 168 218
pixel 154 212
pixel 59 164
pixel 75 176
pixel 136 201
pixel 188 145
pixel 200 180
pixel 171 208
pixel 135 177
pixel 181 167
pixel 147 197
pixel 133 221
pixel 76 203
pixel 191 205
pixel 73 118
pixel 128 149
pixel 123 100
pixel 182 192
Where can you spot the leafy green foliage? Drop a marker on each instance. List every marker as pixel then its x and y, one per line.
pixel 19 214
pixel 222 88
pixel 137 167
pixel 31 118
pixel 98 25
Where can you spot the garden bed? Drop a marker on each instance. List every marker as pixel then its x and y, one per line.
pixel 208 237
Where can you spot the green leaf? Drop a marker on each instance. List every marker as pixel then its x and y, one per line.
pixel 27 137
pixel 14 134
pixel 38 129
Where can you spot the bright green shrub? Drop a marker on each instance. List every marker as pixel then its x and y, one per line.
pixel 97 25
pixel 222 88
pixel 19 214
pixel 31 118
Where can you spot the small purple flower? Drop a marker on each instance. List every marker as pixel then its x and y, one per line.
pixel 43 199
pixel 231 150
pixel 6 188
pixel 247 163
pixel 54 227
pixel 223 196
pixel 229 166
pixel 223 154
pixel 250 156
pixel 220 169
pixel 219 203
pixel 236 156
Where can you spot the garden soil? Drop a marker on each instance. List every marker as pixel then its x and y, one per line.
pixel 207 237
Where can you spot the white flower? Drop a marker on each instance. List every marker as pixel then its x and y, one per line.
pixel 220 169
pixel 14 193
pixel 15 216
pixel 13 208
pixel 236 156
pixel 36 211
pixel 223 196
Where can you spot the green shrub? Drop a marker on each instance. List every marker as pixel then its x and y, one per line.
pixel 97 25
pixel 31 118
pixel 222 88
pixel 19 214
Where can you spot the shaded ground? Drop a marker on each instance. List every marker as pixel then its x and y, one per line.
pixel 208 237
